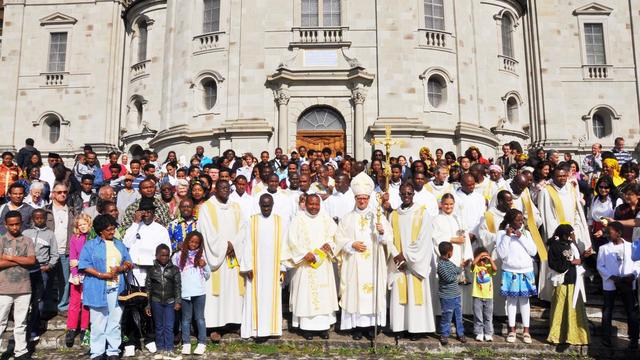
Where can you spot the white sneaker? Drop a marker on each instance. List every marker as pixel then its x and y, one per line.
pixel 479 337
pixel 151 347
pixel 488 338
pixel 186 349
pixel 200 349
pixel 129 351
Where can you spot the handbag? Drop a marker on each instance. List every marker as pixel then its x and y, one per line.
pixel 132 295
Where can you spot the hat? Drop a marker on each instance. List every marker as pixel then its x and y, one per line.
pixel 362 184
pixel 146 204
pixel 495 168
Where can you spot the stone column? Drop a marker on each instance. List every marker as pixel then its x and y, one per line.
pixel 358 95
pixel 282 97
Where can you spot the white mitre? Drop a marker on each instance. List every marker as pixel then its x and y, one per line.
pixel 362 185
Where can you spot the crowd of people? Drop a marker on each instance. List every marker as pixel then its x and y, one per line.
pixel 140 254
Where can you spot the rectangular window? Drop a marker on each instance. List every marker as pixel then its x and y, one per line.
pixel 434 14
pixel 310 13
pixel 331 13
pixel 57 52
pixel 211 21
pixel 594 40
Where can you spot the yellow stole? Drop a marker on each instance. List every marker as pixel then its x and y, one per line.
pixel 416 225
pixel 531 223
pixel 215 276
pixel 491 221
pixel 276 271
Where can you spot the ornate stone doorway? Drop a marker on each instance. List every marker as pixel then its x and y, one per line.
pixel 320 127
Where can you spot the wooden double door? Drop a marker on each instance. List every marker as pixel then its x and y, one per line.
pixel 319 139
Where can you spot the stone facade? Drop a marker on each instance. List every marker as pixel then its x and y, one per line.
pixel 161 74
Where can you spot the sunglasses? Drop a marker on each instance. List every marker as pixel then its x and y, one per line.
pixel 61 192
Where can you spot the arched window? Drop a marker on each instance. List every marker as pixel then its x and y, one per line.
pixel 139 111
pixel 210 93
pixel 211 19
pixel 601 123
pixel 52 128
pixel 434 14
pixel 142 41
pixel 507 36
pixel 436 91
pixel 512 110
pixel 321 118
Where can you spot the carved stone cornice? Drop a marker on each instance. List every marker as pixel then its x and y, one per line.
pixel 283 96
pixel 359 95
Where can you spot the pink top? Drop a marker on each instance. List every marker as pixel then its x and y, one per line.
pixel 75 247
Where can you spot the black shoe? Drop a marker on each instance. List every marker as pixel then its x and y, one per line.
pixel 113 357
pixel 444 341
pixel 307 335
pixel 25 356
pixel 462 339
pixel 633 345
pixel 356 335
pixel 70 338
pixel 325 335
pixel 606 342
pixel 414 336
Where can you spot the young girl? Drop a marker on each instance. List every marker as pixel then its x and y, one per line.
pixel 194 274
pixel 516 250
pixel 76 310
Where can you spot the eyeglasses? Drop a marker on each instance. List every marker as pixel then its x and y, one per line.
pixel 61 192
pixel 406 193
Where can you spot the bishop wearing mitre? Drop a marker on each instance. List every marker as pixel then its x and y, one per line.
pixel 310 250
pixel 362 237
pixel 411 307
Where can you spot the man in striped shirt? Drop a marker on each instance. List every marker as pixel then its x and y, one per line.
pixel 618 151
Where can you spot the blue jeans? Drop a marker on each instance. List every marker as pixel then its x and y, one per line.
pixel 39 280
pixel 451 308
pixel 193 306
pixel 163 317
pixel 105 326
pixel 63 283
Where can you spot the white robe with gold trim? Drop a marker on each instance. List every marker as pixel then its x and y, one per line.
pixel 226 307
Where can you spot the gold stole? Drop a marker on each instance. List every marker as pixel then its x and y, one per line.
pixel 215 276
pixel 491 221
pixel 531 224
pixel 416 225
pixel 276 271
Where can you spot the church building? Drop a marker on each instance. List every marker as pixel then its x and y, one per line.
pixel 259 74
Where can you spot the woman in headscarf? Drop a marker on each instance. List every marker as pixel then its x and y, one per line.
pixel 611 168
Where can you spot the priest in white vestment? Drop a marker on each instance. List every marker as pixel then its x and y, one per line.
pixel 440 185
pixel 411 305
pixel 522 200
pixel 220 223
pixel 448 228
pixel 422 196
pixel 489 227
pixel 310 249
pixel 361 239
pixel 282 205
pixel 265 237
pixel 470 207
pixel 341 201
pixel 241 197
pixel 559 203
